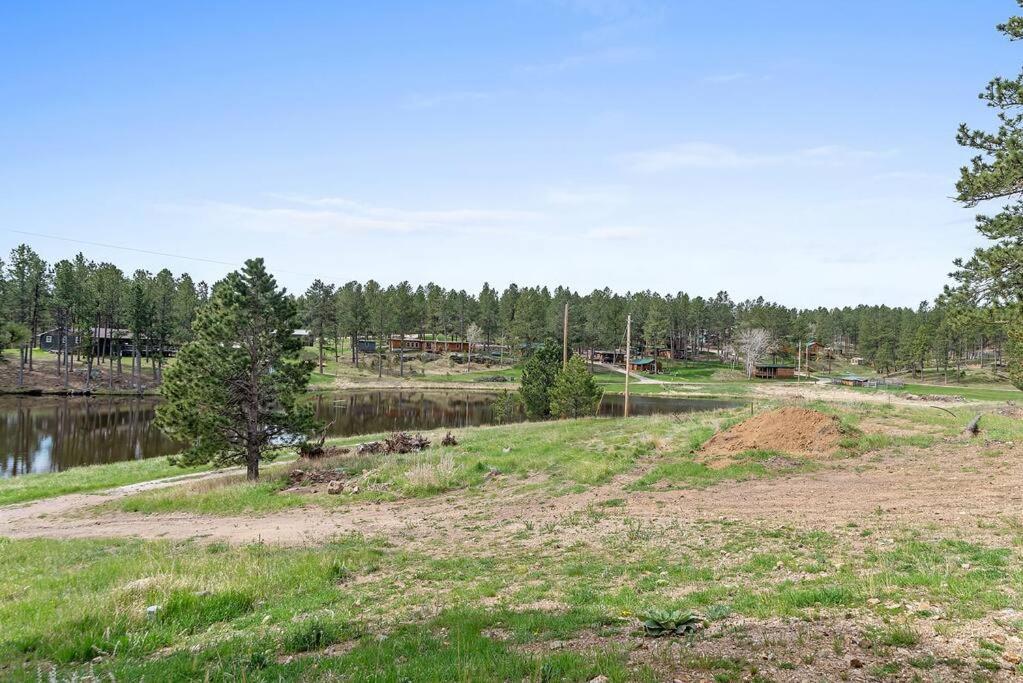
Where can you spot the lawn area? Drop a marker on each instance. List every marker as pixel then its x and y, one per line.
pixel 86 479
pixel 535 551
pixel 569 456
pixel 977 393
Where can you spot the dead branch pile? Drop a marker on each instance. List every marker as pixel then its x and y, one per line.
pixel 398 442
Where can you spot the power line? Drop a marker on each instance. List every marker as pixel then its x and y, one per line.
pixel 150 252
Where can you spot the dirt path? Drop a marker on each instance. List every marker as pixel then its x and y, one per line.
pixel 639 379
pixel 811 391
pixel 947 488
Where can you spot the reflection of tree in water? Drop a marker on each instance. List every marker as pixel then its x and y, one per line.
pixel 384 411
pixel 44 435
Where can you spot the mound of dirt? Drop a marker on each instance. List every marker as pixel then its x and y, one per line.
pixel 798 431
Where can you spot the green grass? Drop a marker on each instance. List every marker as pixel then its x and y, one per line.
pixel 689 473
pixel 502 597
pixel 513 374
pixel 85 479
pixel 241 612
pixel 565 455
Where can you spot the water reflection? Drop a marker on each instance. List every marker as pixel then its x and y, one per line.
pixel 52 434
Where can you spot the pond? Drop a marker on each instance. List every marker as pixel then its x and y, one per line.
pixel 49 434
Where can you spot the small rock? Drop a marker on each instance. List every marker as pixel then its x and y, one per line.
pixel 151 612
pixel 599 679
pixel 355 489
pixel 335 487
pixel 856 663
pixel 873 601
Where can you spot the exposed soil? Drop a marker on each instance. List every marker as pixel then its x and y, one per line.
pixel 45 376
pixel 798 431
pixel 893 490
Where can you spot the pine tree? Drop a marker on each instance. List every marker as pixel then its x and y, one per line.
pixel 995 274
pixel 234 393
pixel 574 393
pixel 538 376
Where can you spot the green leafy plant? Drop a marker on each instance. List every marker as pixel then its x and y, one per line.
pixel 659 622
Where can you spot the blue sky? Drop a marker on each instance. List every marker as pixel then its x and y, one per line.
pixel 799 150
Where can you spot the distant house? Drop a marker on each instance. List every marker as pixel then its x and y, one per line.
pixel 305 335
pixel 853 381
pixel 813 349
pixel 428 345
pixel 606 356
pixel 366 346
pixel 773 371
pixel 644 365
pixel 104 340
pixel 857 360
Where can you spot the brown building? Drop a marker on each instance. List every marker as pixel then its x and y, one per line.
pixel 602 356
pixel 774 371
pixel 644 365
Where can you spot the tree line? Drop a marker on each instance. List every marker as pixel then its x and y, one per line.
pixel 155 313
pixel 95 311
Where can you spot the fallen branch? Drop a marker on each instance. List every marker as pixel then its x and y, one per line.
pixel 946 410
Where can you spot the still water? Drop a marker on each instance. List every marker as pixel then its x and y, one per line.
pixel 44 434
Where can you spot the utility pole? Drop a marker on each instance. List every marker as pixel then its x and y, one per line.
pixel 799 360
pixel 564 341
pixel 628 352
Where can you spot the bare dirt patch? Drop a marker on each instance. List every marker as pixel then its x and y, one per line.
pixel 798 431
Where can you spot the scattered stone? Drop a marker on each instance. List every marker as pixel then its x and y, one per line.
pixel 335 487
pixel 599 679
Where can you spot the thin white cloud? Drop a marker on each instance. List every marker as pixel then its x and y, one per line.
pixel 607 57
pixel 730 77
pixel 455 97
pixel 607 9
pixel 616 233
pixel 587 197
pixel 714 156
pixel 317 215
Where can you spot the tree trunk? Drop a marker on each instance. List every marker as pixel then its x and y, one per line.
pixel 252 463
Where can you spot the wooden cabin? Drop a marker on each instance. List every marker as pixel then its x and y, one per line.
pixel 607 356
pixel 428 345
pixel 104 340
pixel 644 365
pixel 366 346
pixel 812 349
pixel 306 336
pixel 853 381
pixel 773 371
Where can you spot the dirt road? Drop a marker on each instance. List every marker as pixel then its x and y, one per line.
pixel 946 488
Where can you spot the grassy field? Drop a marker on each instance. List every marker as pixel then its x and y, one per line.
pixel 559 538
pixel 87 479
